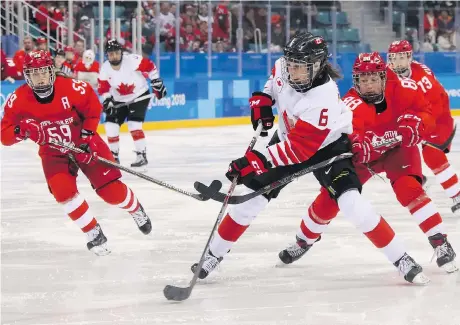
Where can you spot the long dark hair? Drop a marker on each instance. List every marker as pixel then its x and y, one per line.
pixel 332 72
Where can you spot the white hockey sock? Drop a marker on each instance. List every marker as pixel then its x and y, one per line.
pixel 113 136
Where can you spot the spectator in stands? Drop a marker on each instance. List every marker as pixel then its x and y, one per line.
pixel 70 57
pixel 430 25
pixel 85 30
pixel 189 17
pixel 189 36
pixel 166 21
pixel 79 48
pixel 203 14
pixel 278 36
pixel 9 71
pixel 203 36
pixel 446 35
pixel 221 24
pixel 42 44
pixel 47 8
pixel 60 63
pixel 18 59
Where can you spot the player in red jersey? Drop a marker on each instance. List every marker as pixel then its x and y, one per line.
pixel 87 69
pixel 401 62
pixel 385 108
pixel 68 110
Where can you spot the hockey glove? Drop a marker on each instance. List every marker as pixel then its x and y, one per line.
pixel 411 129
pixel 252 164
pixel 362 148
pixel 158 88
pixel 108 106
pixel 31 129
pixel 86 143
pixel 261 109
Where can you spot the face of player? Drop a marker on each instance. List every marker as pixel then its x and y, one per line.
pixel 28 44
pixel 69 56
pixel 41 46
pixel 114 57
pixel 370 85
pixel 400 63
pixel 298 72
pixel 40 77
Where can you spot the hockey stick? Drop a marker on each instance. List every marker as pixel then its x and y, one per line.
pixel 138 99
pixel 215 185
pixel 179 294
pixel 443 146
pixel 207 190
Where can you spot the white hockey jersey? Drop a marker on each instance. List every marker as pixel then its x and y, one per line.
pixel 130 81
pixel 307 121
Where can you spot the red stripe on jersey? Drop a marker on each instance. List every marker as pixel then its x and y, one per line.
pixel 282 155
pixel 103 86
pixel 146 65
pixel 273 70
pixel 306 139
pixel 290 154
pixel 273 158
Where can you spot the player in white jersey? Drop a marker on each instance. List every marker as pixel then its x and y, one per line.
pixel 122 79
pixel 313 127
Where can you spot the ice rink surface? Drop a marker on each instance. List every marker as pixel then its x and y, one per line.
pixel 49 277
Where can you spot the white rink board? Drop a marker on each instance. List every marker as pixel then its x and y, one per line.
pixel 48 276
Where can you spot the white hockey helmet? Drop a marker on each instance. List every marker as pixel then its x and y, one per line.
pixel 88 58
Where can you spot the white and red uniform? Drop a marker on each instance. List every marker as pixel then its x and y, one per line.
pixel 435 159
pixel 129 82
pixel 307 121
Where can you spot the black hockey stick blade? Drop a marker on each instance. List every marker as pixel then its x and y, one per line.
pixel 445 145
pixel 238 199
pixel 176 293
pixel 211 190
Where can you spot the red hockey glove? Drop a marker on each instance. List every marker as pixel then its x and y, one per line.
pixel 252 164
pixel 31 129
pixel 411 129
pixel 86 143
pixel 261 109
pixel 158 88
pixel 362 148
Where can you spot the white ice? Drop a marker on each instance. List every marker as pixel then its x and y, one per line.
pixel 49 277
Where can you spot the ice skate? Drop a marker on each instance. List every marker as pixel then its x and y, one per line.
pixel 295 251
pixel 209 264
pixel 444 253
pixel 97 242
pixel 456 205
pixel 412 271
pixel 141 161
pixel 116 156
pixel 142 220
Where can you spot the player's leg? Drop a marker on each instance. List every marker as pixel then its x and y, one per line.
pixel 404 170
pixel 343 184
pixel 136 117
pixel 437 161
pixel 105 180
pixel 61 174
pixel 112 126
pixel 239 217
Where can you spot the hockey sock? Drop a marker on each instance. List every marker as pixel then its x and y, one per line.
pixel 113 136
pixel 117 193
pixel 135 128
pixel 78 210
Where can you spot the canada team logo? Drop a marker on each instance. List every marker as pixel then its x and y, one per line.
pixel 279 83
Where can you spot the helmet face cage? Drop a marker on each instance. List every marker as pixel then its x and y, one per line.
pixel 400 62
pixel 374 97
pixel 298 72
pixel 34 75
pixel 88 58
pixel 114 46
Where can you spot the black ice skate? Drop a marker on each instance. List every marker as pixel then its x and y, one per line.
pixel 295 251
pixel 97 242
pixel 209 264
pixel 412 271
pixel 115 155
pixel 142 220
pixel 444 252
pixel 141 159
pixel 456 205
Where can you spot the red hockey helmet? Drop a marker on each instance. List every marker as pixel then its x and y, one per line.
pixel 39 72
pixel 400 57
pixel 369 76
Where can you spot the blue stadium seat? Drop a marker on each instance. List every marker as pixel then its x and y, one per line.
pixel 329 32
pixel 346 48
pixel 323 18
pixel 396 18
pixel 341 18
pixel 349 35
pixel 319 32
pixel 401 5
pixel 363 47
pixel 119 11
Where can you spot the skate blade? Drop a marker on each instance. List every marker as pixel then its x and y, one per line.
pixel 421 279
pixel 101 250
pixel 450 267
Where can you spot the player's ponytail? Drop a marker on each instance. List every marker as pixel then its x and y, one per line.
pixel 332 72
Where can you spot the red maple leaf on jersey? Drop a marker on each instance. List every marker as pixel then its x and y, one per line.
pixel 125 89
